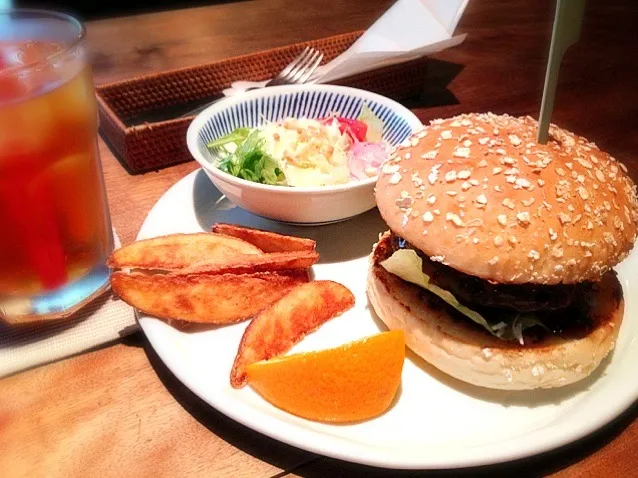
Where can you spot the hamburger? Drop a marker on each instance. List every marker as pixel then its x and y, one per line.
pixel 498 261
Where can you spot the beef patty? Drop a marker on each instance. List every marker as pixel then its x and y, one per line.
pixel 564 309
pixel 474 291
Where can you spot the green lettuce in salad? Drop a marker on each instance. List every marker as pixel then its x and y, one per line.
pixel 374 123
pixel 246 158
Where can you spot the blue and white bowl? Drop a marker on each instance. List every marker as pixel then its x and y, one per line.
pixel 299 205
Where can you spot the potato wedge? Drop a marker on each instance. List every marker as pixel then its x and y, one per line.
pixel 267 262
pixel 283 324
pixel 265 240
pixel 205 298
pixel 176 251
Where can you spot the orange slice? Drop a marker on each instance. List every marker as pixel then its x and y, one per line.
pixel 353 382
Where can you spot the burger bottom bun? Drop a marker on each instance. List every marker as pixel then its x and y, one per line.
pixel 466 352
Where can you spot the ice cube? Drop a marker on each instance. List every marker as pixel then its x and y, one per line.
pixel 27 128
pixel 35 51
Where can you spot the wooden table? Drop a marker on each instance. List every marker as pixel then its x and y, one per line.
pixel 118 411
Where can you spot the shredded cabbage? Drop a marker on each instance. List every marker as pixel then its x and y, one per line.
pixel 523 322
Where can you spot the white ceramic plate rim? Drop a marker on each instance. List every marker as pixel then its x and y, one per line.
pixel 551 436
pixel 200 120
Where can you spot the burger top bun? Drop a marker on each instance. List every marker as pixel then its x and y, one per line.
pixel 478 193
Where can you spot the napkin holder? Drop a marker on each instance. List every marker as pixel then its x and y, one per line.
pixel 141 120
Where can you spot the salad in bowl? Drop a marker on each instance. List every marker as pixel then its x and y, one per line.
pixel 303 154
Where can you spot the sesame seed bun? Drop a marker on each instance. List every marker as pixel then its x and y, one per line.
pixel 469 353
pixel 476 192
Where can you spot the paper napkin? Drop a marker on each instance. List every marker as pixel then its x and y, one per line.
pixel 410 29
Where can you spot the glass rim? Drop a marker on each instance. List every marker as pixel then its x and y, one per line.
pixel 75 42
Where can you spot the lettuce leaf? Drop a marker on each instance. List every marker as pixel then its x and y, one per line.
pixel 249 161
pixel 374 123
pixel 237 137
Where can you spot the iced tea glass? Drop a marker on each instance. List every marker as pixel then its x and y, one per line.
pixel 55 231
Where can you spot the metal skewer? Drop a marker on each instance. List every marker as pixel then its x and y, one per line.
pixel 567 25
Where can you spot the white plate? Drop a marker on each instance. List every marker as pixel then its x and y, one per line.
pixel 437 421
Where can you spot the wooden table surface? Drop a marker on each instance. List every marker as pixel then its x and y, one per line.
pixel 118 411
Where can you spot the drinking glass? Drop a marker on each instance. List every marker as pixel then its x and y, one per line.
pixel 55 230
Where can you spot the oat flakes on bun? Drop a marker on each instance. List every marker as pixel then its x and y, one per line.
pixel 498 262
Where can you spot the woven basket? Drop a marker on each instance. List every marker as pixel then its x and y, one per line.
pixel 149 145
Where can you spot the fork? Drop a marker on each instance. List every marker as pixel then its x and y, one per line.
pixel 297 72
